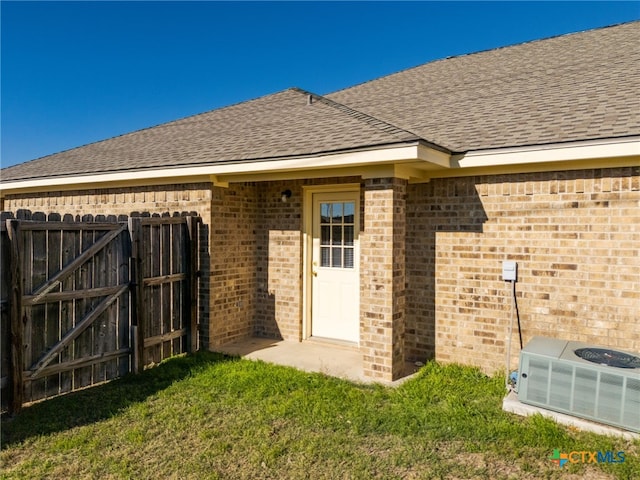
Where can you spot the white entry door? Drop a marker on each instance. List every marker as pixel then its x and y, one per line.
pixel 335 282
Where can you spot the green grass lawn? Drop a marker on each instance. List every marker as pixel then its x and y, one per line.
pixel 211 416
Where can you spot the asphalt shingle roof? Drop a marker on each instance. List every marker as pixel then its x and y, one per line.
pixel 573 87
pixel 278 125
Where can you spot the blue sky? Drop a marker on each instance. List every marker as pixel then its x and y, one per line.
pixel 78 72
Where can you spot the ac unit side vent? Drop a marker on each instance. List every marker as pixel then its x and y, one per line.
pixel 553 376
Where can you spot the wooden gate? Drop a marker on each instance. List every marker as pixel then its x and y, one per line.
pixel 163 272
pixel 91 301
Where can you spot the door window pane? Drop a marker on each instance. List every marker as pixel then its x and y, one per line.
pixel 336 257
pixel 348 258
pixel 325 258
pixel 337 229
pixel 336 235
pixel 349 212
pixel 336 213
pixel 325 235
pixel 325 212
pixel 348 235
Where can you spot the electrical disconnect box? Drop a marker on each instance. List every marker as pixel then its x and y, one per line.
pixel 509 271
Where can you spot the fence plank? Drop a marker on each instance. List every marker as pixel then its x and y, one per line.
pixel 31 225
pixel 154 281
pixel 110 343
pixel 83 343
pixel 81 362
pixel 154 294
pixel 5 318
pixel 17 361
pixel 38 312
pixel 100 325
pixel 125 311
pixel 69 295
pixel 165 289
pixel 26 245
pixel 177 314
pixel 193 225
pixel 136 286
pixel 52 325
pixel 70 250
pixel 166 337
pixel 162 220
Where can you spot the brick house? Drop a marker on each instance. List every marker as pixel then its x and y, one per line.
pixel 379 215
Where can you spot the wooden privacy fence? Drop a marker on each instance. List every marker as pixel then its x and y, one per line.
pixel 89 301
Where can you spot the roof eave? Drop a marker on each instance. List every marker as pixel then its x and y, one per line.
pixel 363 157
pixel 612 152
pixel 420 161
pixel 553 152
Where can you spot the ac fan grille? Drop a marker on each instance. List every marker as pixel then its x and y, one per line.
pixel 611 358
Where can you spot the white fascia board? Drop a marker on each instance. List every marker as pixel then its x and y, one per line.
pixel 434 157
pixel 435 163
pixel 206 172
pixel 559 152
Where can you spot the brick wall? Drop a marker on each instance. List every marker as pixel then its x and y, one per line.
pixel 133 201
pixel 575 236
pixel 279 249
pixel 233 262
pixel 382 278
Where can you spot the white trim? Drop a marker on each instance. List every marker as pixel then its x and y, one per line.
pixel 417 162
pixel 307 243
pixel 559 152
pixel 178 174
pixel 435 157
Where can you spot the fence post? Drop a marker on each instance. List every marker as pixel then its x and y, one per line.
pixel 137 289
pixel 16 325
pixel 194 272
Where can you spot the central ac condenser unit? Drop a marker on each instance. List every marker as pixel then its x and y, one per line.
pixel 583 380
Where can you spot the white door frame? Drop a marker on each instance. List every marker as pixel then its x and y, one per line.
pixel 307 242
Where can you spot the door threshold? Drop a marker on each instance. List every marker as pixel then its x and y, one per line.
pixel 333 342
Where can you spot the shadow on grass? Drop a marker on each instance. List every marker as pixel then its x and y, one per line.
pixel 101 402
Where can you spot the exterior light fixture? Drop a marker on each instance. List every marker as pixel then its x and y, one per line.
pixel 286 195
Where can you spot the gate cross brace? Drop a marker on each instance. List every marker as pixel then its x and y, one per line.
pixel 80 327
pixel 69 269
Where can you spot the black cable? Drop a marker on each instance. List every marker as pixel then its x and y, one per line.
pixel 515 302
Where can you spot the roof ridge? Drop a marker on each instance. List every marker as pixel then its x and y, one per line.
pixel 495 49
pixel 358 115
